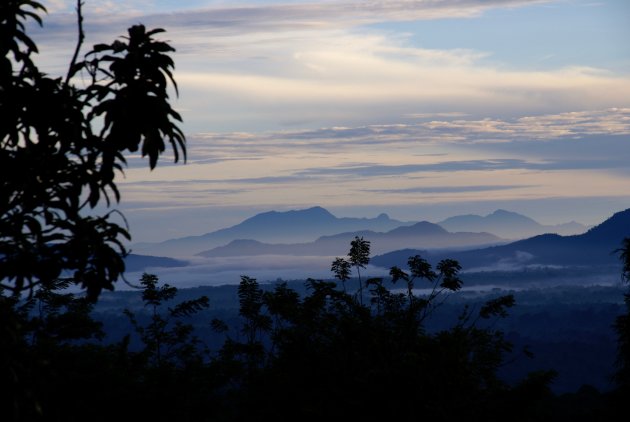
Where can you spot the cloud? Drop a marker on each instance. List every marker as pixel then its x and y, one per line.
pixel 449 189
pixel 56 6
pixel 334 80
pixel 436 115
pixel 275 14
pixel 541 127
pixel 249 163
pixel 378 170
pixel 317 64
pixel 569 125
pixel 576 124
pixel 228 270
pixel 94 9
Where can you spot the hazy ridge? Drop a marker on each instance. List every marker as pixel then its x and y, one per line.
pixel 273 227
pixel 509 225
pixel 595 247
pixel 421 235
pixel 316 224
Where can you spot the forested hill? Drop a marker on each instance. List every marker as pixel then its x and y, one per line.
pixel 595 247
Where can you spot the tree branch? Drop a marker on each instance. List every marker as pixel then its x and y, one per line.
pixel 73 62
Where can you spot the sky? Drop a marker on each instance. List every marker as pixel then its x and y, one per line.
pixel 419 109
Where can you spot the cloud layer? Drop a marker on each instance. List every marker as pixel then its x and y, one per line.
pixel 314 64
pixel 382 166
pixel 370 105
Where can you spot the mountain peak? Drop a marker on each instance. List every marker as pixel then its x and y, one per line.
pixel 507 224
pixel 501 211
pixel 424 228
pixel 317 210
pixel 618 226
pixel 276 227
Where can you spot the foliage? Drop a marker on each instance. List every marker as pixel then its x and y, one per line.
pixel 57 167
pixel 622 323
pixel 63 142
pixel 327 355
pixel 319 354
pixel 624 256
pixel 40 336
pixel 358 257
pixel 341 268
pixel 167 339
pixel 64 372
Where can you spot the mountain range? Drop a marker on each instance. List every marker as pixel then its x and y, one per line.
pixel 419 235
pixel 595 247
pixel 272 227
pixel 508 225
pixel 310 225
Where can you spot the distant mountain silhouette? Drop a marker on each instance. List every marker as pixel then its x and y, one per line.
pixel 508 225
pixel 419 235
pixel 595 247
pixel 273 227
pixel 136 263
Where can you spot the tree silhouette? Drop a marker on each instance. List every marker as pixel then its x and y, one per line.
pixel 39 336
pixel 341 268
pixel 326 355
pixel 57 165
pixel 319 354
pixel 63 142
pixel 622 324
pixel 359 257
pixel 166 338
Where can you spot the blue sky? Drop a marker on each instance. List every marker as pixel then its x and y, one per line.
pixel 421 109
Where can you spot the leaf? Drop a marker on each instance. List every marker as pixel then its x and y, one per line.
pixel 497 307
pixel 398 274
pixel 359 254
pixel 420 268
pixel 341 268
pixel 155 31
pixel 190 307
pixel 374 281
pixel 218 325
pixel 449 270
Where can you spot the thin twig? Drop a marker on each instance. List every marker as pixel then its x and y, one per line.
pixel 75 56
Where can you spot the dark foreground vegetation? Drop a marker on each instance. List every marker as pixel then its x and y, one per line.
pixel 332 352
pixel 320 353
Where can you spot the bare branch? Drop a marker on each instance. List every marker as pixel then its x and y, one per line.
pixel 73 63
